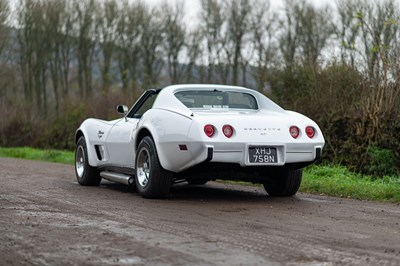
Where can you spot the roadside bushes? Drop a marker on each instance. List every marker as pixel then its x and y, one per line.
pixel 359 118
pixel 19 131
pixel 60 135
pixel 33 129
pixel 381 162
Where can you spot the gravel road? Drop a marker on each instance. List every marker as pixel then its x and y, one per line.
pixel 46 218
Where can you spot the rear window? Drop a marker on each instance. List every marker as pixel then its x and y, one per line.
pixel 215 99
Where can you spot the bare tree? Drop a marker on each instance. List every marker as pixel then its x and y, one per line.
pixel 84 30
pixel 194 53
pixel 289 34
pixel 379 25
pixel 262 28
pixel 25 47
pixel 314 31
pixel 4 34
pixel 151 44
pixel 129 32
pixel 106 24
pixel 4 14
pixel 174 37
pixel 52 20
pixel 394 54
pixel 306 31
pixel 33 51
pixel 238 14
pixel 377 110
pixel 58 24
pixel 347 30
pixel 212 21
pixel 66 45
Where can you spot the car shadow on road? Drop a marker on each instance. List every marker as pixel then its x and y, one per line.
pixel 216 191
pixel 212 191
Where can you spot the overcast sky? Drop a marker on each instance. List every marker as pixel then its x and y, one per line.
pixel 193 6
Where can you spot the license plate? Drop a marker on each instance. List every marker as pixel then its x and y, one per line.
pixel 262 154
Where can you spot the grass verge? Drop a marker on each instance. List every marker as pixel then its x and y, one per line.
pixel 54 156
pixel 340 182
pixel 326 180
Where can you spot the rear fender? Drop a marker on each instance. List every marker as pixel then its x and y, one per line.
pixel 168 130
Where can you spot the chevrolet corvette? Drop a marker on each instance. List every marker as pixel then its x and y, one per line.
pixel 195 134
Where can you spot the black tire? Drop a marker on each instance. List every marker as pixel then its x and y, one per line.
pixel 85 174
pixel 286 184
pixel 152 181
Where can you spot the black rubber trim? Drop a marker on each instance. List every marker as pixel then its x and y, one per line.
pixel 210 152
pixel 317 153
pixel 98 152
pixel 141 100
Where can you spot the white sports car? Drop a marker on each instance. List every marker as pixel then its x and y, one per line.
pixel 198 133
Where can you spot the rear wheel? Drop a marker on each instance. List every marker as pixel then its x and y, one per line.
pixel 151 179
pixel 286 184
pixel 85 174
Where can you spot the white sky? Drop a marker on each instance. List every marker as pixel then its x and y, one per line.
pixel 193 6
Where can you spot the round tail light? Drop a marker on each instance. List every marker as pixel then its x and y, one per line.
pixel 310 131
pixel 209 130
pixel 294 131
pixel 227 130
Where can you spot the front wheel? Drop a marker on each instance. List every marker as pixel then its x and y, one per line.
pixel 85 174
pixel 286 184
pixel 151 179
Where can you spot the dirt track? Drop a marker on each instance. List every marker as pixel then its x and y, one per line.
pixel 46 218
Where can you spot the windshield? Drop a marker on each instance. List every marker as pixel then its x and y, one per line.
pixel 215 99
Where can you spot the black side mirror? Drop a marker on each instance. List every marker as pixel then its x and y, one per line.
pixel 122 109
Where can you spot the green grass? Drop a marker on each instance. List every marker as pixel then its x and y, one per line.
pixel 55 156
pixel 340 182
pixel 325 180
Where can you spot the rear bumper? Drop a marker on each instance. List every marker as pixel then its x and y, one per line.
pixel 298 154
pixel 286 153
pixel 296 158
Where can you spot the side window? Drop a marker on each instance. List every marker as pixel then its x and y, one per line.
pixel 146 105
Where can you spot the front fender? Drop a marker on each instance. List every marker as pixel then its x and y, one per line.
pixel 95 132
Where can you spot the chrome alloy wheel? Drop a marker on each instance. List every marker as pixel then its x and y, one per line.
pixel 143 167
pixel 80 161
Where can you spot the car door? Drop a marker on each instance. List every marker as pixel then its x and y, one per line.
pixel 120 142
pixel 122 136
